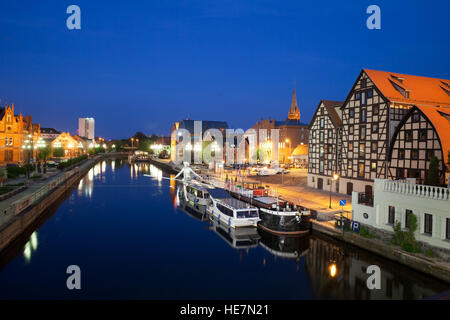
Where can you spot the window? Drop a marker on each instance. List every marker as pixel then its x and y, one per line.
pixel 357 96
pixel 407 216
pixel 351 129
pixel 351 112
pixel 447 233
pixel 423 135
pixel 321 152
pixel 400 173
pixel 314 134
pixel 350 164
pixel 375 128
pixel 415 154
pixel 375 109
pixel 374 147
pixel 321 166
pixel 361 170
pixel 429 154
pixel 391 215
pixel 415 117
pixel 330 148
pixel 6 141
pixel 322 122
pixel 363 98
pixel 362 150
pixel 350 146
pixel 330 133
pixel 10 141
pixel 373 166
pixel 321 137
pixel 401 154
pixel 428 228
pixel 363 83
pixel 408 135
pixel 330 165
pixel 225 210
pixel 362 133
pixel 363 115
pixel 369 93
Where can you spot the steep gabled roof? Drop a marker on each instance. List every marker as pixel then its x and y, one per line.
pixel 411 89
pixel 330 106
pixel 438 118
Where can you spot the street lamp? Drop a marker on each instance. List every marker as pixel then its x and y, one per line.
pixel 335 178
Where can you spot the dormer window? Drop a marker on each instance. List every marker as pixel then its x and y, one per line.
pixel 397 78
pixel 405 93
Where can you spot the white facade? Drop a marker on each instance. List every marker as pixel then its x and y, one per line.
pixel 392 201
pixel 86 128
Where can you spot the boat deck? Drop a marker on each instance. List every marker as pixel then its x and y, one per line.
pixel 226 198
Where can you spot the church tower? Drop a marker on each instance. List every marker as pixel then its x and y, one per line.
pixel 294 112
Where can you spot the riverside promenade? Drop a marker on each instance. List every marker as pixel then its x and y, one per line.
pixel 21 210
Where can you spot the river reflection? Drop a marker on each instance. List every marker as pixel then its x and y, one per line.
pixel 134 237
pixel 335 270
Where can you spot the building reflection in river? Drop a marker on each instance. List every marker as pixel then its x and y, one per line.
pixel 338 272
pixel 30 247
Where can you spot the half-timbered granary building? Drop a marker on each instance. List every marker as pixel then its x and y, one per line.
pixel 324 144
pixel 423 133
pixel 377 118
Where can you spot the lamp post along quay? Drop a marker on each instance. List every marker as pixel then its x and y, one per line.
pixel 335 178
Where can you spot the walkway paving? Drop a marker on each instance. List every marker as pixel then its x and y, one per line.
pixel 293 187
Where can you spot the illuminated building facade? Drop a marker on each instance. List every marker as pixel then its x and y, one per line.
pixel 18 137
pixel 291 134
pixel 73 146
pixel 392 124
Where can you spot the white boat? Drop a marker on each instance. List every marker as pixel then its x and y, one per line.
pixel 231 211
pixel 196 192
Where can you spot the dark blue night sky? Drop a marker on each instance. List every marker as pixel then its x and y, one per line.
pixel 139 65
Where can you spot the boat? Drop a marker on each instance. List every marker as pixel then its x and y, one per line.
pixel 231 211
pixel 237 238
pixel 196 192
pixel 277 215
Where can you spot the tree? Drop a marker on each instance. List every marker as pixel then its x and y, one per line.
pixel 43 155
pixel 58 152
pixel 432 177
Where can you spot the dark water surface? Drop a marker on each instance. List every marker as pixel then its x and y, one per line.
pixel 132 241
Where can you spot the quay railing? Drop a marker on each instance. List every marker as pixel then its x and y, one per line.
pixel 417 190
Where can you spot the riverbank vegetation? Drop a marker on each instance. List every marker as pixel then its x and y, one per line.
pixel 70 162
pixel 406 239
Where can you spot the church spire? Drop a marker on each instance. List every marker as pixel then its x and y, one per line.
pixel 294 112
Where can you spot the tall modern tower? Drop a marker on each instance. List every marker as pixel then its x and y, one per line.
pixel 86 128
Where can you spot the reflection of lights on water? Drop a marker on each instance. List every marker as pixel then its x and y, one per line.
pixel 91 174
pixel 30 247
pixel 333 270
pixel 80 184
pixel 156 173
pixel 27 252
pixel 103 166
pixel 34 241
pixel 113 165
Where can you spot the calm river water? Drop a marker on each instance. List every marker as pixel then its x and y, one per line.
pixel 133 239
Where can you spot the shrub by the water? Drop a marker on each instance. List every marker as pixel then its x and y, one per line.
pixel 72 161
pixel 406 239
